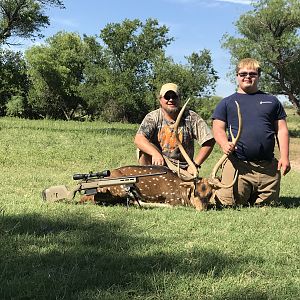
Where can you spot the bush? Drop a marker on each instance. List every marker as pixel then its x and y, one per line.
pixel 15 107
pixel 206 106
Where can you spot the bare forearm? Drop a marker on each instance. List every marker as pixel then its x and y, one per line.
pixel 221 138
pixel 283 139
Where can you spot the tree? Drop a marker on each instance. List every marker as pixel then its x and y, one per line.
pixel 205 107
pixel 56 72
pixel 116 78
pixel 24 18
pixel 196 78
pixel 14 81
pixel 122 68
pixel 96 73
pixel 127 71
pixel 270 33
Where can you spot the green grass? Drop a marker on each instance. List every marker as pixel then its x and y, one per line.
pixel 68 251
pixel 293 122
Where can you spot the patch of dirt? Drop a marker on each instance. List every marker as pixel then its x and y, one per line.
pixel 295 165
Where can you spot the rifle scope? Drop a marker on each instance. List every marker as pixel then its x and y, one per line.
pixel 91 175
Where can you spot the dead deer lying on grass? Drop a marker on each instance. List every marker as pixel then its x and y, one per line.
pixel 175 187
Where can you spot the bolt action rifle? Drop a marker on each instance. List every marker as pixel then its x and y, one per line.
pixel 88 184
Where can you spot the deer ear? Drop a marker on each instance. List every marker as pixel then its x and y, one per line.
pixel 186 184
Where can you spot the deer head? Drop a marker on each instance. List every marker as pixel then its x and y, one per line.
pixel 214 180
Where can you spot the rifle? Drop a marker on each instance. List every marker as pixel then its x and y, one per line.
pixel 89 183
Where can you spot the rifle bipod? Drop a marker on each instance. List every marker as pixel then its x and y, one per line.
pixel 133 194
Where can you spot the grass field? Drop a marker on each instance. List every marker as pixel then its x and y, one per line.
pixel 68 251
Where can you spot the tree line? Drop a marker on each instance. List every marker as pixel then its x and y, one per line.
pixel 115 75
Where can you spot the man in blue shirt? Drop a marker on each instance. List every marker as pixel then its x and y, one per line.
pixel 253 157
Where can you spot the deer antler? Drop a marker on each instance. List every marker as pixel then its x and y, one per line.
pixel 214 180
pixel 187 175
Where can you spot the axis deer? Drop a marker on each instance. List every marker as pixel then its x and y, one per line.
pixel 174 187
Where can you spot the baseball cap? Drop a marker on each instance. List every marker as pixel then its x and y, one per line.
pixel 169 87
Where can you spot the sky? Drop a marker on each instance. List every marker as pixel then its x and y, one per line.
pixel 194 24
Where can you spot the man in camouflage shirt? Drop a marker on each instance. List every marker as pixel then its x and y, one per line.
pixel 155 136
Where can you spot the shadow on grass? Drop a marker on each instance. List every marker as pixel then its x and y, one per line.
pixel 289 202
pixel 74 258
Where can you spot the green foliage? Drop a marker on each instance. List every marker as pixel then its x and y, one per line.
pixel 24 18
pixel 205 106
pixel 270 33
pixel 112 77
pixel 68 251
pixel 14 80
pixel 56 72
pixel 19 19
pixel 124 67
pixel 197 78
pixel 15 107
pixel 122 77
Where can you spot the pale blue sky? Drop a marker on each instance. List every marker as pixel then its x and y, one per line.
pixel 195 24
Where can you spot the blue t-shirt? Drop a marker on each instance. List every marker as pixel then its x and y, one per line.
pixel 259 113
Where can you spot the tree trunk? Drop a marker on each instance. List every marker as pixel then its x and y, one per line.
pixel 295 102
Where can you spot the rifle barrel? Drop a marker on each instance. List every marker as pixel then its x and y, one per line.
pixel 135 176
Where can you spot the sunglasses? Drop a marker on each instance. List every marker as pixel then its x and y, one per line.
pixel 245 74
pixel 169 96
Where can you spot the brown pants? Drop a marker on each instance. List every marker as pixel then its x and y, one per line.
pixel 257 182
